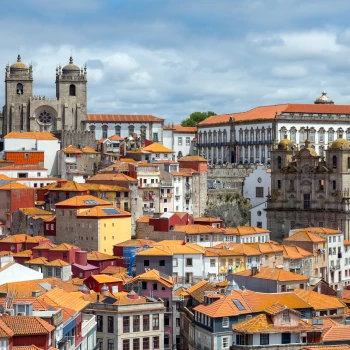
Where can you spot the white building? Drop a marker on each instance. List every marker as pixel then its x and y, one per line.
pixel 181 139
pixel 148 127
pixel 39 141
pixel 25 171
pixel 255 189
pixel 248 137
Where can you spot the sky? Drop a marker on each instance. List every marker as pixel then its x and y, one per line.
pixel 170 58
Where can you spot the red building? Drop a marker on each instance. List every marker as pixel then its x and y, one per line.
pixel 43 250
pixel 197 163
pixel 98 281
pixel 81 268
pixel 17 243
pixel 65 252
pixel 102 260
pixel 167 221
pixel 214 222
pixel 29 330
pixel 25 157
pixel 12 197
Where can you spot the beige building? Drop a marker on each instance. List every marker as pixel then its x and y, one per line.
pixel 309 190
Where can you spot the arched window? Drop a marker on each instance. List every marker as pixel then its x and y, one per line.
pixel 251 134
pixel 240 135
pixel 321 135
pixel 257 133
pixel 72 90
pixel 92 127
pixel 225 136
pixel 215 139
pixel 312 134
pixel 279 162
pixel 340 132
pixel 117 130
pixel 104 131
pixel 220 136
pixel 19 89
pixel 283 130
pixel 200 137
pixel 293 134
pixel 210 137
pixel 330 135
pixel 263 134
pixel 335 162
pixel 302 135
pixel 131 130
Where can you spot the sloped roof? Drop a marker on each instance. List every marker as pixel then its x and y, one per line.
pixel 157 148
pixel 5 331
pixel 267 247
pixel 64 247
pixel 295 252
pixel 13 185
pixel 139 242
pixel 154 275
pixel 337 334
pixel 89 149
pixel 72 149
pixel 65 185
pixel 244 230
pixel 304 236
pixel 197 229
pixel 27 325
pixel 192 159
pixel 112 177
pixel 319 301
pixel 83 201
pixel 104 212
pixel 35 211
pixel 273 273
pixel 21 238
pixel 105 188
pixel 235 249
pixel 98 256
pixel 122 118
pixel 105 278
pixel 197 291
pixel 30 135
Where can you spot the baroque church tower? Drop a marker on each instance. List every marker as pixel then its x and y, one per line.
pixel 24 111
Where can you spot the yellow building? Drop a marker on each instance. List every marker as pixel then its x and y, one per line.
pixel 113 226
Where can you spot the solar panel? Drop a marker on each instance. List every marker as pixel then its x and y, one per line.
pixel 90 202
pixel 164 275
pixel 238 304
pixel 110 211
pixel 109 300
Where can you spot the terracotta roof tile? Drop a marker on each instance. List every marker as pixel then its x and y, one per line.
pixel 180 128
pixel 192 159
pixel 97 256
pixel 112 270
pixel 29 347
pixel 89 149
pixel 294 252
pixel 322 230
pixel 135 243
pixel 304 236
pixel 206 219
pixel 35 211
pixel 128 118
pixel 103 212
pixel 45 245
pixel 105 188
pixel 105 278
pixel 168 242
pixel 65 185
pixel 266 248
pixel 274 274
pixel 64 247
pixel 13 186
pixel 30 135
pixel 234 249
pixel 143 219
pixel 72 149
pixel 5 331
pixel 22 238
pixel 337 333
pixel 22 167
pixel 27 325
pixel 154 275
pixel 37 261
pixel 57 263
pixel 319 301
pixel 244 230
pixel 194 229
pixel 157 148
pixel 112 177
pixel 82 202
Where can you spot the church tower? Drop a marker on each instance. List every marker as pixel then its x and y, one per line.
pixel 71 82
pixel 18 91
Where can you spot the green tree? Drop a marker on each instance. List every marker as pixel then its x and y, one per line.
pixel 196 117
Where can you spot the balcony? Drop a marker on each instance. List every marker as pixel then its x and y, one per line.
pixel 154 185
pixel 70 160
pixel 166 184
pixel 166 195
pixel 88 323
pixel 188 195
pixel 335 267
pixel 148 210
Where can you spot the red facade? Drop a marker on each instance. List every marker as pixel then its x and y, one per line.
pixel 93 284
pixel 167 224
pixel 41 341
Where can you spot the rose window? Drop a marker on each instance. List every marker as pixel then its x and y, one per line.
pixel 45 117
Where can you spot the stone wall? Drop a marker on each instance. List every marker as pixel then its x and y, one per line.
pixel 77 138
pixel 145 231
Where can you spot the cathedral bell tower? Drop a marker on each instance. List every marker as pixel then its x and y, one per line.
pixel 18 91
pixel 71 84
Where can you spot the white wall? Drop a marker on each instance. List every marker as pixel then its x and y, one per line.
pixel 31 173
pixel 18 273
pixel 258 214
pixel 197 265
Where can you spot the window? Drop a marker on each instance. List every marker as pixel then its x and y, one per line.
pixel 110 323
pixel 225 322
pixel 259 224
pixel 212 262
pixel 131 130
pixel 283 288
pixel 279 162
pixel 174 262
pixel 189 262
pixel 307 201
pixel 259 191
pixel 264 339
pixel 19 89
pixel 335 161
pixel 155 137
pixel 279 184
pixel 99 321
pixel 126 344
pixel 136 344
pixel 117 130
pixel 188 141
pixel 99 343
pixel 146 263
pixel 285 338
pixel 188 277
pixel 334 185
pixel 72 90
pixel 161 262
pixel 285 316
pixel 136 323
pixel 155 322
pixel 177 322
pixel 110 344
pixel 155 342
pixel 321 185
pixel 154 286
pixel 145 343
pixel 179 141
pixel 126 324
pixel 104 131
pixel 145 322
pixel 225 342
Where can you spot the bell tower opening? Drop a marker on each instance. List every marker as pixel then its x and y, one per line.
pixel 19 89
pixel 72 90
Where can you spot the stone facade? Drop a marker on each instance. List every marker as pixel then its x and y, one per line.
pixel 23 111
pixel 307 190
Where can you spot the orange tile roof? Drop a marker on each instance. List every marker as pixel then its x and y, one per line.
pixel 143 219
pixel 195 229
pixel 198 291
pixel 157 148
pixel 266 248
pixel 37 261
pixel 192 159
pixel 4 177
pixel 45 245
pixel 234 249
pixel 29 347
pixel 273 273
pixel 126 279
pixel 27 325
pixel 112 270
pixel 295 252
pixel 82 202
pixel 65 185
pixel 206 219
pixel 35 211
pixel 105 188
pixel 155 251
pixel 319 301
pixel 64 247
pixel 115 138
pixel 304 236
pixel 105 279
pixel 346 242
pixel 263 324
pixel 61 298
pixel 100 212
pixel 170 242
pixel 180 128
pixel 119 118
pixel 97 256
pixel 13 186
pixel 21 238
pixel 135 243
pixel 37 304
pixel 89 149
pixel 189 248
pixel 72 149
pixel 322 230
pixel 154 275
pixel 275 309
pixel 244 230
pixel 57 263
pixel 23 167
pixel 112 177
pixel 5 331
pixel 181 291
pixel 122 299
pixel 24 289
pixel 326 347
pixel 23 254
pixel 30 135
pixel 337 334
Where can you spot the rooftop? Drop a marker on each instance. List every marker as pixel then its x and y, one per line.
pixel 157 148
pixel 273 273
pixel 27 325
pixel 83 202
pixel 30 135
pixel 103 212
pixel 126 118
pixel 154 275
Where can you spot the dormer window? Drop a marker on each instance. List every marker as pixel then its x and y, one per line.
pixel 285 316
pixel 19 89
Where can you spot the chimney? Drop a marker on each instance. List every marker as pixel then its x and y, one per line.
pixel 104 290
pixel 36 293
pixel 132 295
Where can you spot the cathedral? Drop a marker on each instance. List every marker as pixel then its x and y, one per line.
pixel 24 111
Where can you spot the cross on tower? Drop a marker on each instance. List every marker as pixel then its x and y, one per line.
pixel 307 129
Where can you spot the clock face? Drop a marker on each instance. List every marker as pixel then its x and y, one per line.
pixel 259 180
